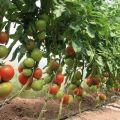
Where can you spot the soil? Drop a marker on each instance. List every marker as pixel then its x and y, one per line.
pixel 28 109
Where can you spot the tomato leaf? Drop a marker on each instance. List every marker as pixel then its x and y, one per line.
pixel 77 46
pixel 22 52
pixel 15 54
pixel 90 32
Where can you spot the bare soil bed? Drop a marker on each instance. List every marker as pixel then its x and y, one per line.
pixel 28 109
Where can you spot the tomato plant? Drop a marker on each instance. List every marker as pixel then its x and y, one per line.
pixel 79 38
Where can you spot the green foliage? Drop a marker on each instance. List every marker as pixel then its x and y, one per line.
pixel 91 27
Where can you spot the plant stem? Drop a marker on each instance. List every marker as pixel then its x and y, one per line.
pixel 61 103
pixel 43 110
pixel 44 107
pixel 45 104
pixel 60 109
pixel 80 106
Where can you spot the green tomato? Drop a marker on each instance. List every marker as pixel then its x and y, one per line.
pixel 93 88
pixel 40 25
pixel 27 72
pixel 72 87
pixel 59 94
pixel 5 89
pixel 3 51
pixel 41 36
pixel 29 62
pixel 44 17
pixel 84 94
pixel 36 54
pixel 47 79
pixel 69 62
pixel 77 75
pixel 71 99
pixel 37 85
pixel 46 88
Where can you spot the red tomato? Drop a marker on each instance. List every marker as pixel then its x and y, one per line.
pixel 37 73
pixel 102 96
pixel 20 68
pixel 0 78
pixel 89 80
pixel 96 80
pixel 70 51
pixel 22 79
pixel 6 72
pixel 76 91
pixel 65 99
pixel 80 91
pixel 3 37
pixel 53 89
pixel 59 78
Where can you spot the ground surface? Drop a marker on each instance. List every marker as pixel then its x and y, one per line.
pixel 28 109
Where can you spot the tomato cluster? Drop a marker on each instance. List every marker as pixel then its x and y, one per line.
pixel 3 40
pixel 28 73
pixel 55 77
pixel 6 71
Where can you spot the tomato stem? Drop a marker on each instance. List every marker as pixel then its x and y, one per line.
pixel 80 106
pixel 60 109
pixel 45 104
pixel 44 107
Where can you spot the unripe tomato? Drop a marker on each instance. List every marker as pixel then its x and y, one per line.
pixel 71 99
pixel 59 94
pixel 93 88
pixel 6 72
pixel 59 78
pixel 30 45
pixel 29 62
pixel 44 17
pixel 69 62
pixel 54 65
pixel 27 72
pixel 47 78
pixel 3 51
pixel 77 75
pixel 4 37
pixel 37 85
pixel 5 89
pixel 72 86
pixel 36 54
pixel 37 73
pixel 49 71
pixel 40 25
pixel 41 36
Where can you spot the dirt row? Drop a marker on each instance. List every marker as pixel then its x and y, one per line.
pixel 28 109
